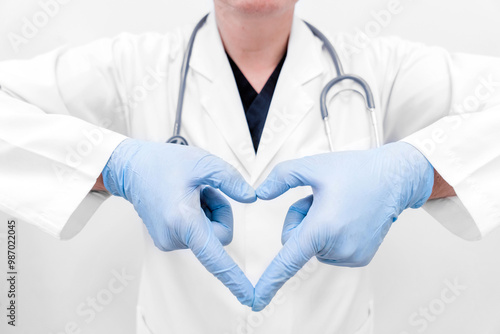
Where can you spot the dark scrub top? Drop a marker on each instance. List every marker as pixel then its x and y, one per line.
pixel 256 105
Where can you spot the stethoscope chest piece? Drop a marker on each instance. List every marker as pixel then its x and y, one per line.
pixel 179 140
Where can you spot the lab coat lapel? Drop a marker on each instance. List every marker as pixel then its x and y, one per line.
pixel 220 98
pixel 291 101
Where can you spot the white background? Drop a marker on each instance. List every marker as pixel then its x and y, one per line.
pixel 408 272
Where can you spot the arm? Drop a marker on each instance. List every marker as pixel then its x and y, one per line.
pixel 61 117
pixel 441 120
pixel 99 184
pixel 441 188
pixel 446 105
pixel 53 152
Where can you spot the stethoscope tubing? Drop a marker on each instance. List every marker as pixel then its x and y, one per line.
pixel 369 100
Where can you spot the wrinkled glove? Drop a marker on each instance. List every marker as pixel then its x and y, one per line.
pixel 357 195
pixel 163 182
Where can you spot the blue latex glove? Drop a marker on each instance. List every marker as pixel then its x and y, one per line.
pixel 163 182
pixel 357 195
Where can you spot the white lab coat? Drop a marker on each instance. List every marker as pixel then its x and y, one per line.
pixel 63 113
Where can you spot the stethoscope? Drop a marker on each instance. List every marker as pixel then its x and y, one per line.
pixel 368 97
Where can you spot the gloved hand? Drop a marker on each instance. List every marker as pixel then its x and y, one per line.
pixel 163 182
pixel 357 195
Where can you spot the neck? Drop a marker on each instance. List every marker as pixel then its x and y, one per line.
pixel 255 42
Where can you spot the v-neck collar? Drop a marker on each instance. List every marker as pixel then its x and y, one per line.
pixel 256 105
pixel 292 98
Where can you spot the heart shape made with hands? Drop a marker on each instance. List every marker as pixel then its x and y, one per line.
pixel 357 195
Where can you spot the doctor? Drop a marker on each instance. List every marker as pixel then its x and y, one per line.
pixel 251 115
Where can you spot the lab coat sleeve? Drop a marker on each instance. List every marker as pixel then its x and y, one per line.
pixel 61 116
pixel 447 105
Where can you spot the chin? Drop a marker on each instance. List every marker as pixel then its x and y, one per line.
pixel 258 6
